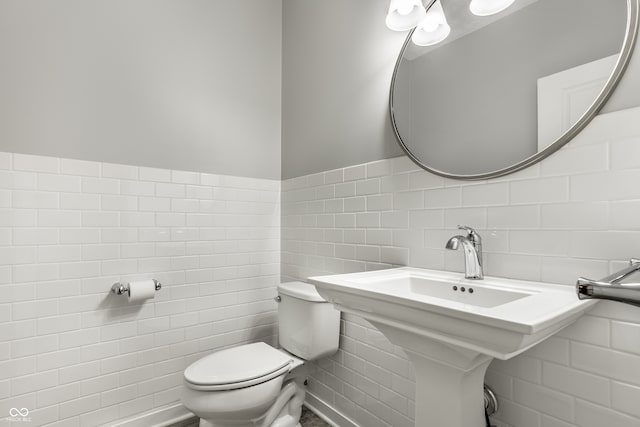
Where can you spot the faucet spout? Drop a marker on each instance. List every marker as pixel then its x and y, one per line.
pixel 472 248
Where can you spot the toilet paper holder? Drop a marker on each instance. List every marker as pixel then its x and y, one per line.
pixel 119 288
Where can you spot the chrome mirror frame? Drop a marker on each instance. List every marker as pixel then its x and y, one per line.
pixel 628 44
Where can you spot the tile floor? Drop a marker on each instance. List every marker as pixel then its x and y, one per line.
pixel 308 419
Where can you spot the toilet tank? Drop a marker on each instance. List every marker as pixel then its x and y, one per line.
pixel 308 326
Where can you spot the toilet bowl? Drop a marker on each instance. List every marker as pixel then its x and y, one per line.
pixel 257 385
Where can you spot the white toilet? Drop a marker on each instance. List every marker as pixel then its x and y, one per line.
pixel 256 385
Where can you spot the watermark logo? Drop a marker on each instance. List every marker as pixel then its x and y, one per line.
pixel 18 415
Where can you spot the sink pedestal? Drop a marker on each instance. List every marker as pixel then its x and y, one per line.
pixel 449 379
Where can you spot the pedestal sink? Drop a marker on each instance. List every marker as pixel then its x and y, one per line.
pixel 451 328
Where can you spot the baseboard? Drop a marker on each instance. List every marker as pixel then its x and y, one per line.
pixel 158 417
pixel 328 414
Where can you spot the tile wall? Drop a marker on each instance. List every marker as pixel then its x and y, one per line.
pixel 75 355
pixel 575 213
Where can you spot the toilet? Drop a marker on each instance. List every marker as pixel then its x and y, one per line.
pixel 257 385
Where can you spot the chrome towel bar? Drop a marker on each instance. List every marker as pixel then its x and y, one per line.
pixel 611 288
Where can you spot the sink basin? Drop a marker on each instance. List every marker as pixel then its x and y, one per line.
pixel 451 328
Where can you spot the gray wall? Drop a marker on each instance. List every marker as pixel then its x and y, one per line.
pixel 338 59
pixel 178 84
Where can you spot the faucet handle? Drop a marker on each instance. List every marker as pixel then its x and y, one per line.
pixel 468 229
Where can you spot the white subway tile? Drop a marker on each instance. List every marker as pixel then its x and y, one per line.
pixel 51 325
pixel 378 168
pixel 592 158
pixel 84 235
pixel 170 190
pixel 393 183
pixel 5 160
pixel 17 255
pixel 576 383
pixel 18 217
pixel 541 242
pixel 17 367
pixel 111 170
pixel 368 186
pixel 408 200
pixel 80 201
pixel 74 270
pixel 18 180
pixel 100 185
pixel 137 219
pixel 625 336
pixel 137 188
pixel 625 154
pixel 34 309
pixel 35 382
pixel 35 236
pixel 421 180
pixel 485 195
pixel 59 253
pixel 355 204
pixel 442 198
pixel 54 395
pixel 33 346
pixel 79 167
pixel 367 219
pixel 79 406
pixel 58 218
pixel 591 415
pixel 28 162
pixel 542 190
pixel 513 217
pixel 624 398
pixel 153 174
pixel 525 267
pixel 603 244
pixel 382 202
pixel 605 362
pixel 119 203
pixel 67 183
pixel 544 400
pixel 119 235
pixel 354 173
pixel 333 176
pixel 611 185
pixel 572 216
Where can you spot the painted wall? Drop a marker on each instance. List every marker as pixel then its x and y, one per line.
pixel 575 213
pixel 338 59
pixel 337 62
pixel 71 352
pixel 191 85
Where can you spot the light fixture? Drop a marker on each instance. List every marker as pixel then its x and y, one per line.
pixel 404 14
pixel 433 28
pixel 431 25
pixel 488 7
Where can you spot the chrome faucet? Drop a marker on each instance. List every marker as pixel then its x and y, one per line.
pixel 472 246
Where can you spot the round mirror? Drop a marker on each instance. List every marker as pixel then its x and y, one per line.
pixel 504 91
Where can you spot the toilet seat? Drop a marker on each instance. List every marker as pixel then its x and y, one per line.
pixel 237 367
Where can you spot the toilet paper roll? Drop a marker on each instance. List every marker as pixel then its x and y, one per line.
pixel 141 290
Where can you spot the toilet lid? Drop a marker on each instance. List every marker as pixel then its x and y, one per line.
pixel 237 364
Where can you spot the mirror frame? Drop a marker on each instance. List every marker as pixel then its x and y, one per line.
pixel 628 45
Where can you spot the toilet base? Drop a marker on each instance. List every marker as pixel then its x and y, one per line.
pixel 285 412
